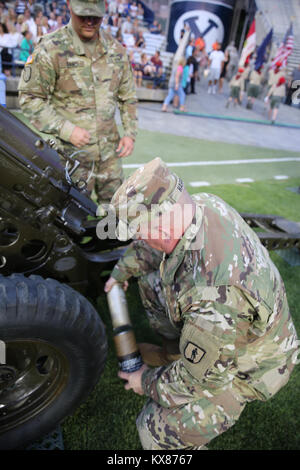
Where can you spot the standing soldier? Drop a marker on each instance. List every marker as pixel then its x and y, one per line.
pixel 70 87
pixel 205 280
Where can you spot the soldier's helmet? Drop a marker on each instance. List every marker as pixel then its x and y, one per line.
pixel 88 7
pixel 149 192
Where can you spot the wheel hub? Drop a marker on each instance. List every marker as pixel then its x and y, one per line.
pixel 34 376
pixel 7 374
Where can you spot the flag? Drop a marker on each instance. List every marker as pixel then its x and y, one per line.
pixel 249 44
pixel 284 49
pixel 261 51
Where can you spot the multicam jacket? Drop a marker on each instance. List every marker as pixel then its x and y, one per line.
pixel 63 86
pixel 229 301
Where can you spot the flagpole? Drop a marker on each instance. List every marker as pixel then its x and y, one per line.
pixel 243 34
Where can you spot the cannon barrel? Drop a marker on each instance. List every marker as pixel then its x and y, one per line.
pixel 43 213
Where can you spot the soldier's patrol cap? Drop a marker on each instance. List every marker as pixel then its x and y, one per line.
pixel 149 192
pixel 88 7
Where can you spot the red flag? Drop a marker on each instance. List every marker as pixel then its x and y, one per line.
pixel 249 44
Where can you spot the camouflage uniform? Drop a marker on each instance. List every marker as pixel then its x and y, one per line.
pixel 63 86
pixel 223 297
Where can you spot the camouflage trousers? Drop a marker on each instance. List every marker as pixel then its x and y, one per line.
pixel 102 177
pixel 194 424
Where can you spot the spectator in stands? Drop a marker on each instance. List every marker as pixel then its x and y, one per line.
pixel 45 24
pixel 216 62
pixel 52 22
pixel 30 4
pixel 20 7
pixel 135 27
pixel 26 47
pixel 140 40
pixel 127 26
pixel 122 7
pixel 137 71
pixel 59 23
pixel 19 23
pixel 14 36
pixel 11 16
pixel 175 87
pixel 115 20
pixel 6 56
pixel 65 14
pixel 54 7
pixel 133 9
pixel 140 13
pixel 146 66
pixel 253 91
pixel 157 62
pixel 112 7
pixel 275 96
pixel 155 28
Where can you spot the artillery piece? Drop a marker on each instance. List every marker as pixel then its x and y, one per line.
pixel 52 340
pixel 53 344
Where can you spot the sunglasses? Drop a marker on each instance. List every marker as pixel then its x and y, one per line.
pixel 90 19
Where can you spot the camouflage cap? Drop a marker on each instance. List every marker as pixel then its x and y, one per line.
pixel 88 7
pixel 148 192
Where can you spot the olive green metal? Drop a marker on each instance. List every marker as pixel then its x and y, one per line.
pixel 35 374
pixel 45 216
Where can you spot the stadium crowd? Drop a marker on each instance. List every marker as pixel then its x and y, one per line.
pixel 23 23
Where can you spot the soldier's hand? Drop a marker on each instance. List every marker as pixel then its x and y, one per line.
pixel 111 282
pixel 125 147
pixel 134 380
pixel 80 137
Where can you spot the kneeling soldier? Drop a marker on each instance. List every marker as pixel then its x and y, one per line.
pixel 206 282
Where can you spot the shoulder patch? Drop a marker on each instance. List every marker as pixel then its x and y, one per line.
pixel 193 353
pixel 30 60
pixel 27 73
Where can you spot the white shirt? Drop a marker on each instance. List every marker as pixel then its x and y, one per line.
pixel 216 58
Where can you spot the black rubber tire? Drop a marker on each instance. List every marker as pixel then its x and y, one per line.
pixel 37 309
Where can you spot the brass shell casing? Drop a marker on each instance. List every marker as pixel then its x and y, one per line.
pixel 126 348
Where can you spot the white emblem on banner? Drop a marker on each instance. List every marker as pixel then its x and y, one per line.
pixel 202 23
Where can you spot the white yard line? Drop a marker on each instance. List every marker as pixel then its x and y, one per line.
pixel 220 162
pixel 281 177
pixel 196 184
pixel 244 180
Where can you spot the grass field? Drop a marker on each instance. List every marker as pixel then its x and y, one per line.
pixel 106 421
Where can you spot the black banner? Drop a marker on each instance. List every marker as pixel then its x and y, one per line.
pixel 209 19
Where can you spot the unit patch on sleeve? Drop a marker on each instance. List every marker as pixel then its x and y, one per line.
pixel 193 353
pixel 27 73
